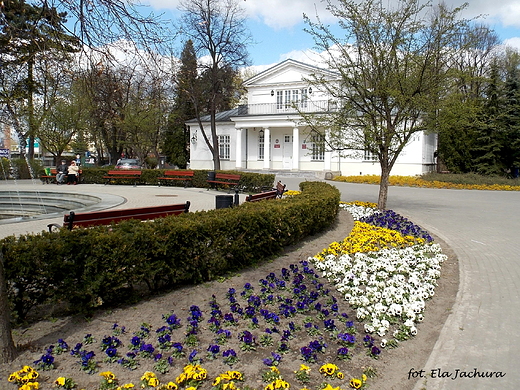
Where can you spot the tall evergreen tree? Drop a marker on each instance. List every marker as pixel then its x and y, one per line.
pixel 176 138
pixel 488 142
pixel 511 117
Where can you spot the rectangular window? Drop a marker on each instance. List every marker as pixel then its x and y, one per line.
pixel 295 96
pixel 224 147
pixel 369 156
pixel 287 99
pixel 279 100
pixel 261 144
pixel 318 147
pixel 305 98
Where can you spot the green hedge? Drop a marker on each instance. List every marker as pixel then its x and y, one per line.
pixel 85 268
pixel 249 182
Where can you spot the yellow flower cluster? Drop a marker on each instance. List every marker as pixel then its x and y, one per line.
pixel 368 238
pixel 361 204
pixel 277 384
pixel 25 378
pixel 125 386
pixel 192 374
pixel 330 387
pixel 358 383
pixel 412 181
pixel 226 381
pixel 150 380
pixel 331 370
pixel 305 368
pixel 291 193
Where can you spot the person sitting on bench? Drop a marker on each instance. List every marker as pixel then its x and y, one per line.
pixel 61 172
pixel 73 173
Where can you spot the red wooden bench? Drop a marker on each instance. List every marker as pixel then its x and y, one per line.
pixel 224 179
pixel 186 176
pixel 262 196
pixel 46 179
pixel 130 174
pixel 113 216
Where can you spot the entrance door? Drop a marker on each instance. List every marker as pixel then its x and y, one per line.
pixel 287 151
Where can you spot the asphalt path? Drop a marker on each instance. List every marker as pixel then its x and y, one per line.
pixel 477 347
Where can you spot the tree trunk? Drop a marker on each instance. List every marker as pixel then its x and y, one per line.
pixel 30 104
pixel 214 138
pixel 7 348
pixel 383 186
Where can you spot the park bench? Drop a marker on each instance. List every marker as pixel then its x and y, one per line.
pixel 262 196
pixel 185 176
pixel 224 179
pixel 280 189
pixel 47 179
pixel 133 175
pixel 113 216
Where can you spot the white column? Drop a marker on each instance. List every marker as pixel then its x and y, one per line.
pixel 327 166
pixel 267 147
pixel 296 149
pixel 238 149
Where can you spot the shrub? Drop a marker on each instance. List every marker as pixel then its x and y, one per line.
pixel 90 267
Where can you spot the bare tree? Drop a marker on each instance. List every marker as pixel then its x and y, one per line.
pixel 392 64
pixel 220 38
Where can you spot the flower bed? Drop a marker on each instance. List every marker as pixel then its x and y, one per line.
pixel 290 322
pixel 412 181
pixel 389 278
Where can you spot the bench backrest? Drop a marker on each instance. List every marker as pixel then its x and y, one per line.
pixel 108 216
pixel 123 172
pixel 227 176
pixel 262 196
pixel 178 173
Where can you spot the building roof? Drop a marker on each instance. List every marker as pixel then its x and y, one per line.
pixel 224 116
pixel 288 63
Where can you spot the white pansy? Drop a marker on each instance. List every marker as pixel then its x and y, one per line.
pixel 388 286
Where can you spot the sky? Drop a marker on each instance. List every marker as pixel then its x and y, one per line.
pixel 277 26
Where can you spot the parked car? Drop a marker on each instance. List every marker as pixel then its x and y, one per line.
pixel 128 163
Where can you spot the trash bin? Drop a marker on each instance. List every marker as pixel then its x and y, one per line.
pixel 223 201
pixel 211 175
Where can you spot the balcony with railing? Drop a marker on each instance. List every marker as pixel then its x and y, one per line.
pixel 308 106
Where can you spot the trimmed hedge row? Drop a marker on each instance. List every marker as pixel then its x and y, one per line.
pixel 249 182
pixel 85 268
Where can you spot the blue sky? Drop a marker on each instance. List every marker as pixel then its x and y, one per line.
pixel 277 25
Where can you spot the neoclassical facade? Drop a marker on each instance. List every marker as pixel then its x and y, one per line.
pixel 267 134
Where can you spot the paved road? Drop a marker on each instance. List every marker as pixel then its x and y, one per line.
pixel 483 228
pixel 111 196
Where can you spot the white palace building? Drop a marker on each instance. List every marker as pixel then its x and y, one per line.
pixel 267 135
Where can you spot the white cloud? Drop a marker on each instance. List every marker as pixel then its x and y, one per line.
pixel 279 14
pixel 513 42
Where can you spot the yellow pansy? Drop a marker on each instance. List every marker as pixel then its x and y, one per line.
pixel 356 383
pixel 60 381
